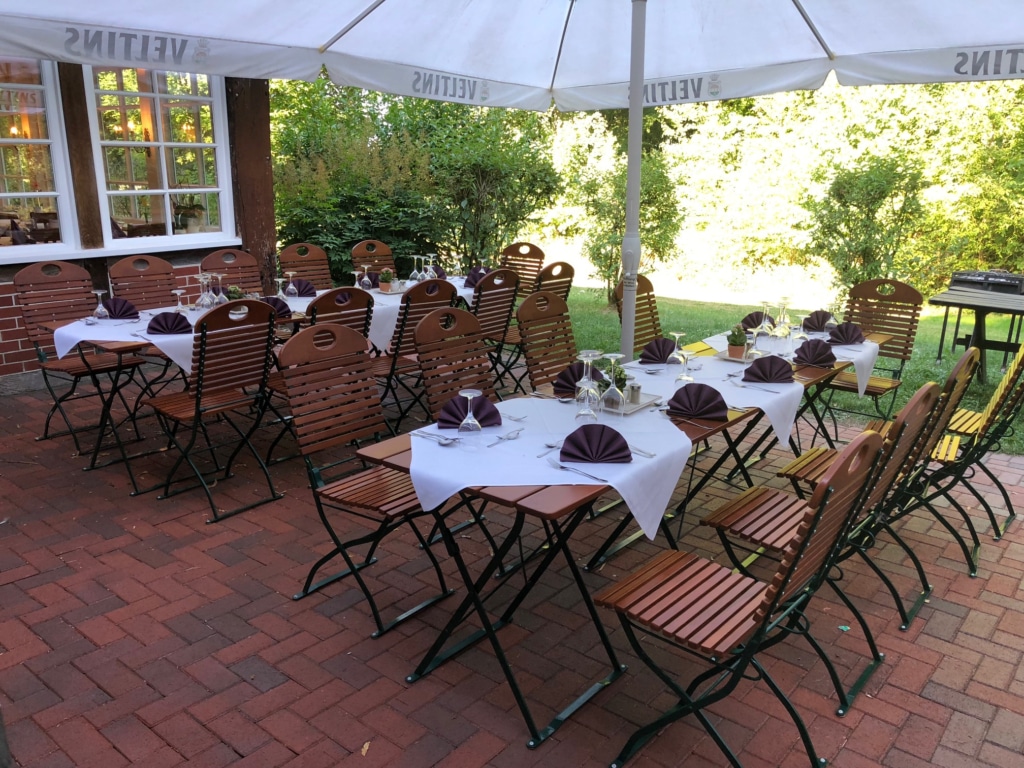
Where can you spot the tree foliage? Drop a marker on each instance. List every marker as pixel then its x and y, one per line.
pixel 869 211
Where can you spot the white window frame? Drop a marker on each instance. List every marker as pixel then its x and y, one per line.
pixel 63 187
pixel 227 235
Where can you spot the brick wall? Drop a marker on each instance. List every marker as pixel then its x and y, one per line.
pixel 17 354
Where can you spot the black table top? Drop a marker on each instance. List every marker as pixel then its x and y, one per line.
pixel 986 301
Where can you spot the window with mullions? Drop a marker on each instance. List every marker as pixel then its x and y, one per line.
pixel 160 150
pixel 28 189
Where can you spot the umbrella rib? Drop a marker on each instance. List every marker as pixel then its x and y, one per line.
pixel 814 29
pixel 561 45
pixel 345 30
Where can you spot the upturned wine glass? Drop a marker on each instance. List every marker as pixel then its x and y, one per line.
pixel 220 297
pixel 682 354
pixel 414 276
pixel 587 395
pixel 614 399
pixel 469 427
pixel 365 282
pixel 290 290
pixel 100 313
pixel 178 292
pixel 280 287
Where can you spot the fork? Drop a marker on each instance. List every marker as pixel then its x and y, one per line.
pixel 510 417
pixel 558 465
pixel 507 436
pixel 744 384
pixel 641 452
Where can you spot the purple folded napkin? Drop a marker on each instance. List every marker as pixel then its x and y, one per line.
pixel 454 411
pixel 374 279
pixel 596 443
pixel 698 401
pixel 168 323
pixel 846 333
pixel 121 309
pixel 658 351
pixel 304 287
pixel 281 308
pixel 754 319
pixel 817 321
pixel 815 352
pixel 439 271
pixel 474 276
pixel 565 384
pixel 769 370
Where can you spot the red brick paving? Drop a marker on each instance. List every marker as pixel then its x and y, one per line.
pixel 133 633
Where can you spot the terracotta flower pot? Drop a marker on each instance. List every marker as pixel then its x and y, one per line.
pixel 385 287
pixel 736 351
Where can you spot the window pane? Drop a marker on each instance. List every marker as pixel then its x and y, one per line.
pixel 185 83
pixel 192 166
pixel 188 122
pixel 25 168
pixel 22 114
pixel 23 71
pixel 29 220
pixel 138 216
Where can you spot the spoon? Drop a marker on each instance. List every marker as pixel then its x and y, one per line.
pixel 439 439
pixel 744 385
pixel 507 436
pixel 551 447
pixel 513 418
pixel 553 397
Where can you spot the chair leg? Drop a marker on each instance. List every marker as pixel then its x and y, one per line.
pixel 999 530
pixel 805 736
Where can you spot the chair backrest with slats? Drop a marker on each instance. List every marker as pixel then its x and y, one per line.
pixel 52 292
pixel 417 302
pixel 889 307
pixel 1002 397
pixel 820 536
pixel 527 260
pixel 494 298
pixel 232 350
pixel 452 352
pixel 548 343
pixel 348 306
pixel 308 262
pixel 647 323
pixel 238 267
pixel 373 254
pixel 556 278
pixel 332 392
pixel 145 281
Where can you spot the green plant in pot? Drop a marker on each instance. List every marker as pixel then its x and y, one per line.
pixel 737 341
pixel 386 278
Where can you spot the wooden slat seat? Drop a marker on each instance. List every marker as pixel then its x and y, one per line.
pixel 237 267
pixel 307 262
pixel 145 281
pixel 762 516
pixel 725 618
pixel 966 422
pixel 335 404
pixel 526 259
pixel 557 279
pixel 374 255
pixel 548 342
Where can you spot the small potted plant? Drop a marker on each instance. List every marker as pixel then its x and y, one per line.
pixel 737 341
pixel 386 277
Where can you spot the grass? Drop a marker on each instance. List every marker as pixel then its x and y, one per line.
pixel 596 325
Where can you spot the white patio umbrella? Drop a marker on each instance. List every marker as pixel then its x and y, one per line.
pixel 532 53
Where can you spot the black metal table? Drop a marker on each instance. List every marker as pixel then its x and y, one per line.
pixel 982 303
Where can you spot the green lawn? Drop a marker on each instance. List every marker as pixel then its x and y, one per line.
pixel 596 326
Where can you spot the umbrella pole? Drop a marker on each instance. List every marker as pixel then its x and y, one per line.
pixel 631 239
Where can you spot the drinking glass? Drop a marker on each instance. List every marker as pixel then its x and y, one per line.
pixel 280 287
pixel 683 355
pixel 290 290
pixel 414 276
pixel 470 427
pixel 100 313
pixel 365 283
pixel 220 297
pixel 587 395
pixel 614 399
pixel 797 334
pixel 431 272
pixel 178 292
pixel 206 299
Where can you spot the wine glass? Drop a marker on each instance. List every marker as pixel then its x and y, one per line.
pixel 366 283
pixel 797 333
pixel 431 272
pixel 414 276
pixel 206 299
pixel 469 427
pixel 355 278
pixel 179 292
pixel 614 399
pixel 221 296
pixel 100 313
pixel 683 355
pixel 586 389
pixel 291 291
pixel 280 287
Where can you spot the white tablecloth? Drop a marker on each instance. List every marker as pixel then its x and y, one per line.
pixel 863 356
pixel 645 484
pixel 177 346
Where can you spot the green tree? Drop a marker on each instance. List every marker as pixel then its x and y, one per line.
pixel 867 214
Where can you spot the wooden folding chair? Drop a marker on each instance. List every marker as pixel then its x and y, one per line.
pixel 373 254
pixel 647 324
pixel 557 279
pixel 333 396
pixel 494 298
pixel 725 618
pixel 58 292
pixel 888 307
pixel 764 520
pixel 526 260
pixel 398 369
pixel 452 353
pixel 348 306
pixel 231 360
pixel 237 267
pixel 307 262
pixel 548 343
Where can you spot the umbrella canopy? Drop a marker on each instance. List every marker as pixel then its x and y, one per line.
pixel 530 54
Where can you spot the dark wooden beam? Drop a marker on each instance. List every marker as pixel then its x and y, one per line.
pixel 80 154
pixel 248 104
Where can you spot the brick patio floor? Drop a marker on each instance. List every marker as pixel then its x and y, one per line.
pixel 131 632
